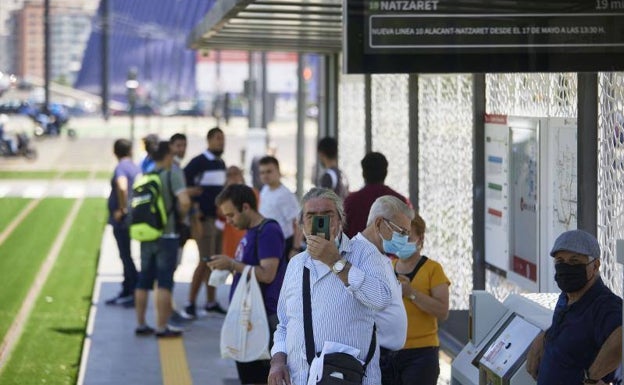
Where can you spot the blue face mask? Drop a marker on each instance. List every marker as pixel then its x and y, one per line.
pixel 407 250
pixel 395 244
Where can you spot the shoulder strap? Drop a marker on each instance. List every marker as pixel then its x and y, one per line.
pixel 307 317
pixel 307 325
pixel 371 348
pixel 411 275
pixel 420 263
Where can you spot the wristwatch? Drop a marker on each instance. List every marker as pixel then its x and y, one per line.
pixel 339 266
pixel 587 380
pixel 412 296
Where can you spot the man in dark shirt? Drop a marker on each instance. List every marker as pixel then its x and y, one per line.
pixel 205 177
pixel 332 177
pixel 121 188
pixel 358 204
pixel 584 342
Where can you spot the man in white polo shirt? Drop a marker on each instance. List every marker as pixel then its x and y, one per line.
pixel 388 228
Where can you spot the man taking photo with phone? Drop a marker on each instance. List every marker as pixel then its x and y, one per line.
pixel 346 288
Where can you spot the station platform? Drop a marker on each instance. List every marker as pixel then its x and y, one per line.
pixel 112 354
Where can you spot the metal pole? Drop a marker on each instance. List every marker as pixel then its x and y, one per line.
pixel 132 125
pixel 265 92
pixel 301 102
pixel 219 104
pixel 131 87
pixel 478 181
pixel 368 114
pixel 252 112
pixel 333 74
pixel 46 52
pixel 413 139
pixel 321 101
pixel 105 58
pixel 587 148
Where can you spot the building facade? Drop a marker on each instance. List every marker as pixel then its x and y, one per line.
pixel 70 26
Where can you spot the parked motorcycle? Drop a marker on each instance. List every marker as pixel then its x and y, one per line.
pixel 20 145
pixel 50 122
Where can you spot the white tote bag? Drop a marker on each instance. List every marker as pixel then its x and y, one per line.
pixel 245 331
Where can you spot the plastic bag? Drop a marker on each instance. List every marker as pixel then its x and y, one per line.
pixel 245 331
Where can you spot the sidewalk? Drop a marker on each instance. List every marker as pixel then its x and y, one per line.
pixel 112 354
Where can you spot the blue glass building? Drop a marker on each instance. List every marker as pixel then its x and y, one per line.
pixel 149 35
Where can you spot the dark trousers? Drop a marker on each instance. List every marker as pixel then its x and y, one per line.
pixel 386 366
pixel 122 236
pixel 418 366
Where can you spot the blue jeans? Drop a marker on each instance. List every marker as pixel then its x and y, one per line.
pixel 131 276
pixel 158 262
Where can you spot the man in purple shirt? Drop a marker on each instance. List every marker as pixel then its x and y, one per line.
pixel 358 203
pixel 263 248
pixel 118 202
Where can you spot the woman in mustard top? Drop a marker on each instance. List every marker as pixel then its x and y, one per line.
pixel 426 298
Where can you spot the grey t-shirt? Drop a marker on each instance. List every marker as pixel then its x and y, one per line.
pixel 172 181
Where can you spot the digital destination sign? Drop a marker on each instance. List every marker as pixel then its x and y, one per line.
pixel 433 36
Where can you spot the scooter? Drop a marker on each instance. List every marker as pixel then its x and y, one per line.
pixel 20 146
pixel 51 124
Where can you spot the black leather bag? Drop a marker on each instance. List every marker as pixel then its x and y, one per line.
pixel 338 368
pixel 341 368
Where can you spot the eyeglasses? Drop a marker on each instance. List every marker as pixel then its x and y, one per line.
pixel 394 227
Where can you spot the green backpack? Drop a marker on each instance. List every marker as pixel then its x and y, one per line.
pixel 148 215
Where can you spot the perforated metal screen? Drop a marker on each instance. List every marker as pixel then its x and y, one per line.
pixel 611 174
pixel 445 159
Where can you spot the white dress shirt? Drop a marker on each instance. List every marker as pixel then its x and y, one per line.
pixel 391 321
pixel 341 314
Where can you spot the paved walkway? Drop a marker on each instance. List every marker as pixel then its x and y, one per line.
pixel 113 355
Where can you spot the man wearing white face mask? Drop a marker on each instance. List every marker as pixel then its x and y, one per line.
pixel 387 229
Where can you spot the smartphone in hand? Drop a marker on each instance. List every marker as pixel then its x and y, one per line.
pixel 320 226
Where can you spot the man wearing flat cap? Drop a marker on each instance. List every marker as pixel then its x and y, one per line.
pixel 584 342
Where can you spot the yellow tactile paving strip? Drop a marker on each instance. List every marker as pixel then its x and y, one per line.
pixel 175 370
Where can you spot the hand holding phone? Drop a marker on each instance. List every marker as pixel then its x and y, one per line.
pixel 320 226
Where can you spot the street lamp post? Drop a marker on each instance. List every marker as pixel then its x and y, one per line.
pixel 131 87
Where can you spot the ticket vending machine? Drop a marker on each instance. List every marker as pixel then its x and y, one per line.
pixel 500 336
pixel 506 353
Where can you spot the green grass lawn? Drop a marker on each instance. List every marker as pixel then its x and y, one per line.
pixel 103 174
pixel 42 174
pixel 75 174
pixel 51 174
pixel 22 253
pixel 10 208
pixel 49 350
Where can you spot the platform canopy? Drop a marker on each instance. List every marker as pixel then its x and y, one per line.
pixel 275 25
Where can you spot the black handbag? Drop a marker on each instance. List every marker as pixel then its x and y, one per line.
pixel 338 368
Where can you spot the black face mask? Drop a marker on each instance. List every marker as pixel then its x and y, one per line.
pixel 571 278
